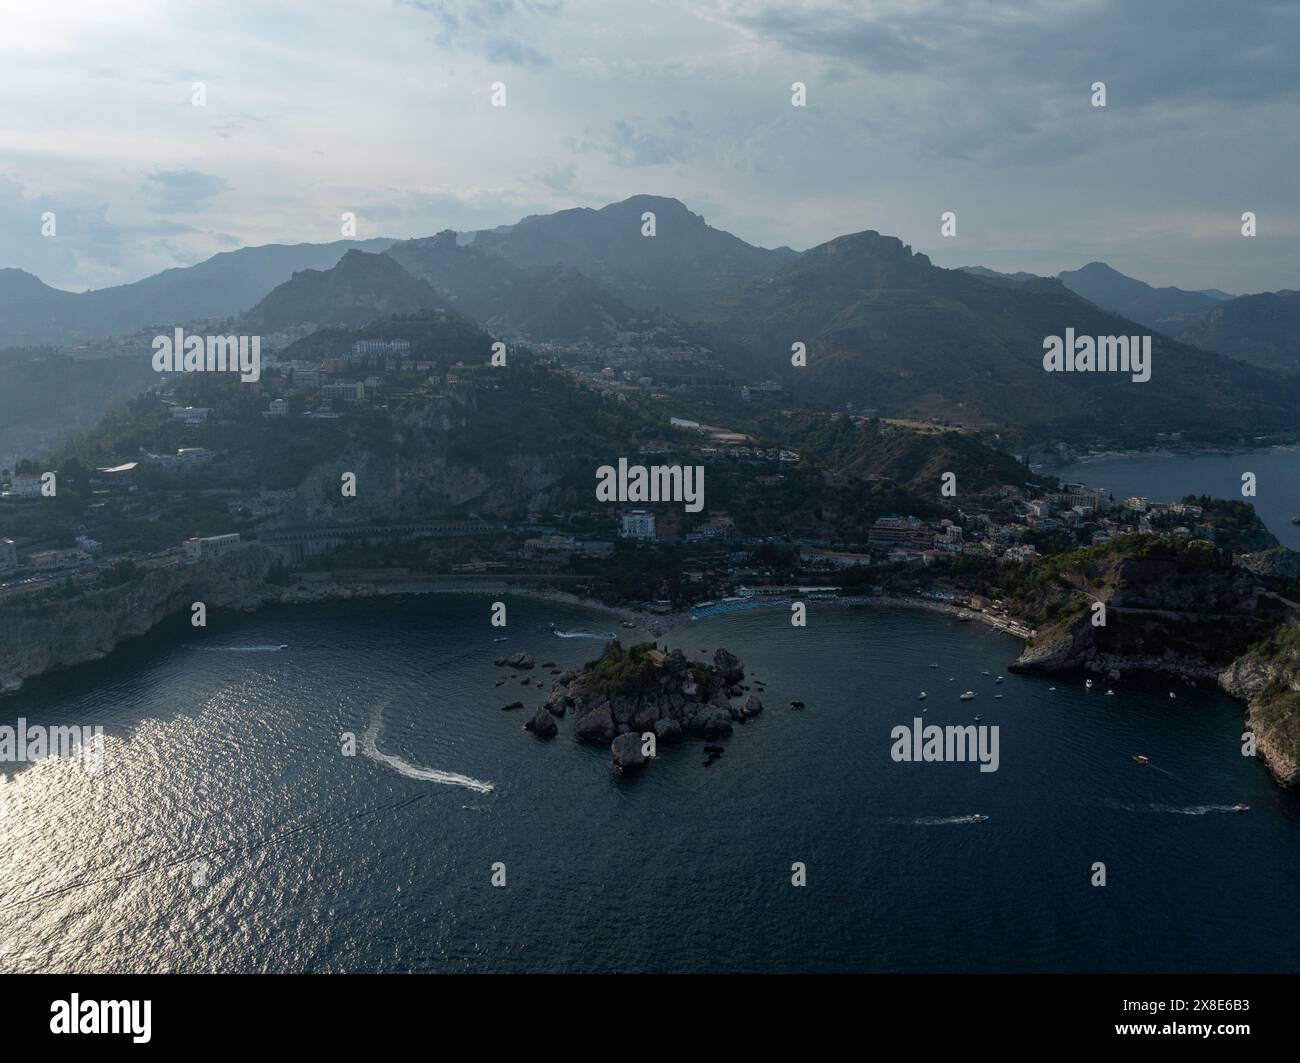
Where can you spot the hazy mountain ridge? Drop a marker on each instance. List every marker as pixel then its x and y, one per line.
pixel 359 288
pixel 886 329
pixel 227 284
pixel 682 269
pixel 1261 329
pixel 1166 309
pixel 550 303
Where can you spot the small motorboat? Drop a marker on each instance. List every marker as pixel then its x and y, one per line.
pixel 1295 520
pixel 1087 684
pixel 998 679
pixel 985 672
pixel 1138 758
pixel 1110 693
pixel 1241 808
pixel 1172 694
pixel 934 666
pixel 1050 689
pixel 501 639
pixel 922 696
pixel 978 717
pixel 997 695
pixel 977 818
pixel 952 679
pixel 967 695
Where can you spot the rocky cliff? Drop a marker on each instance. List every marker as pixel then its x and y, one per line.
pixel 45 636
pixel 1177 609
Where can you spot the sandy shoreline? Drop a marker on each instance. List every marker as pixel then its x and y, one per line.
pixel 656 623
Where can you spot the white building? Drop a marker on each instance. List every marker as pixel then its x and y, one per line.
pixel 203 549
pixel 352 391
pixel 49 560
pixel 639 524
pixel 191 414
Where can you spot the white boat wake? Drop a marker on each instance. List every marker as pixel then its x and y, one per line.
pixel 414 771
pixel 585 635
pixel 937 821
pixel 251 649
pixel 1192 810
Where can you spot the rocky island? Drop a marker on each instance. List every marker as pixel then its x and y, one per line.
pixel 627 694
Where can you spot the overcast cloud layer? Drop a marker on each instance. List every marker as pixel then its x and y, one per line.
pixel 382 107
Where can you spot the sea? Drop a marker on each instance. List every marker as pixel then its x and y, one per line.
pixel 336 787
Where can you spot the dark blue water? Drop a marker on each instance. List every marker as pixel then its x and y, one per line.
pixel 224 766
pixel 1168 477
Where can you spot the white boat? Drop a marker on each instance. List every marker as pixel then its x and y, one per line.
pixel 998 679
pixel 1087 683
pixel 922 696
pixel 967 695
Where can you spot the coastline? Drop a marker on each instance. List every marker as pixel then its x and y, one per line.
pixel 246 592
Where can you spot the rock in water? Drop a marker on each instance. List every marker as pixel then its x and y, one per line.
pixel 729 667
pixel 668 730
pixel 542 724
pixel 512 705
pixel 626 749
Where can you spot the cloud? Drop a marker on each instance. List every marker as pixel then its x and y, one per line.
pixel 181 191
pixel 499 30
pixel 630 142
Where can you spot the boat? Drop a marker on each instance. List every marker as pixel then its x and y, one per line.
pixel 1295 520
pixel 1172 694
pixel 977 818
pixel 628 624
pixel 998 679
pixel 967 695
pixel 1138 758
pixel 965 618
pixel 1050 689
pixel 1110 693
pixel 501 639
pixel 997 695
pixel 934 666
pixel 1087 683
pixel 978 717
pixel 1241 808
pixel 922 696
pixel 985 672
pixel 796 704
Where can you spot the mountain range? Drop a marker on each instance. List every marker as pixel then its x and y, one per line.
pixel 884 328
pixel 33 314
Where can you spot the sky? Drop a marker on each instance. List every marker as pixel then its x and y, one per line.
pixel 384 108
